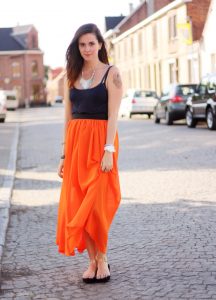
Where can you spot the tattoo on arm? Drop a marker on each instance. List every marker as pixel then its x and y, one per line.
pixel 117 80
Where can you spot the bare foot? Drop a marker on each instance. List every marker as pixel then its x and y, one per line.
pixel 102 268
pixel 90 272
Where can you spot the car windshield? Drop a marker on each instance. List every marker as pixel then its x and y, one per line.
pixel 144 94
pixel 185 90
pixel 11 97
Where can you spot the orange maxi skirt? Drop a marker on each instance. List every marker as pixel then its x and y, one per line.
pixel 89 197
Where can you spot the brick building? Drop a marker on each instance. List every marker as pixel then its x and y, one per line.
pixel 150 48
pixel 21 64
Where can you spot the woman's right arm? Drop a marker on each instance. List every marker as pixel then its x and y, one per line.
pixel 68 116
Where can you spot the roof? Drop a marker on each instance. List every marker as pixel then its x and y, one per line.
pixel 55 72
pixel 111 22
pixel 14 38
pixel 22 29
pixel 7 41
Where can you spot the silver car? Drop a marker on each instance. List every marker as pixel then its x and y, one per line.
pixel 3 109
pixel 137 101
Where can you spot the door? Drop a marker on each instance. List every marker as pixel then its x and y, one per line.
pixel 36 92
pixel 199 99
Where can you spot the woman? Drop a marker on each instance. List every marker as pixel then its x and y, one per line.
pixel 90 193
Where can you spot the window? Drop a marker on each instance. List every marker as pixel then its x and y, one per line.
pixel 213 62
pixel 34 68
pixel 36 92
pixel 140 41
pixel 18 90
pixel 132 48
pixel 193 70
pixel 154 34
pixel 203 86
pixel 172 27
pixel 125 49
pixel 173 72
pixel 212 84
pixel 185 90
pixel 149 76
pixel 16 69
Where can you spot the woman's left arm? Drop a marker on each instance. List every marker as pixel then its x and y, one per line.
pixel 114 86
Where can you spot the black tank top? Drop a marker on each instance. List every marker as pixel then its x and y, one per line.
pixel 90 103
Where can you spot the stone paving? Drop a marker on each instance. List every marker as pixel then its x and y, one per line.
pixel 163 240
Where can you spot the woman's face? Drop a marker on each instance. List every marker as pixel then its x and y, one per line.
pixel 89 46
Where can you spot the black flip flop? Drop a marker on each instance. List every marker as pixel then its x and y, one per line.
pixel 90 280
pixel 105 279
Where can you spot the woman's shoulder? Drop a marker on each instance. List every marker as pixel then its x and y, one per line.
pixel 114 77
pixel 113 71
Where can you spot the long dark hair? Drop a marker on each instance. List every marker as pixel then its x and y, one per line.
pixel 74 60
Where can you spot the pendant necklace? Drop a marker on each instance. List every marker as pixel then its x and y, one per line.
pixel 86 83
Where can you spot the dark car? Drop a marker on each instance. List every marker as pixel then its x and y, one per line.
pixel 202 105
pixel 171 105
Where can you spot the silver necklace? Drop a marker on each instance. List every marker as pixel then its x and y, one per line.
pixel 86 83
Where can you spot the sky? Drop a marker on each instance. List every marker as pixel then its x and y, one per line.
pixel 57 20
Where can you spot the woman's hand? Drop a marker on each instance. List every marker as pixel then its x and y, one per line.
pixel 61 168
pixel 107 161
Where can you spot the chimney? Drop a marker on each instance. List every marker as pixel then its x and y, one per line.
pixel 150 7
pixel 130 7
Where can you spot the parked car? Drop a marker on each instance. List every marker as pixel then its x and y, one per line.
pixel 3 109
pixel 137 101
pixel 58 99
pixel 11 99
pixel 171 105
pixel 202 105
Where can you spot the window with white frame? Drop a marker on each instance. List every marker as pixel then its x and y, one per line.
pixel 213 62
pixel 18 90
pixel 154 35
pixel 34 68
pixel 193 70
pixel 173 72
pixel 172 27
pixel 16 69
pixel 140 41
pixel 132 46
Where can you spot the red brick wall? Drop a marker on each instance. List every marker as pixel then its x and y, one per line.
pixel 161 3
pixel 32 35
pixel 25 80
pixel 198 10
pixel 142 14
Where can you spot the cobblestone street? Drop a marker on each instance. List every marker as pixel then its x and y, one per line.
pixel 162 242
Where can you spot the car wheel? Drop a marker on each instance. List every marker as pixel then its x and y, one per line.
pixel 168 118
pixel 156 120
pixel 2 120
pixel 210 119
pixel 191 122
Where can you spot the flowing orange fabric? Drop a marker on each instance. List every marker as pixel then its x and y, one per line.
pixel 89 197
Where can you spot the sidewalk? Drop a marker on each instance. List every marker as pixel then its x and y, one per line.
pixel 9 137
pixel 162 243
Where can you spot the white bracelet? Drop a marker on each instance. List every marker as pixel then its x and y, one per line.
pixel 109 148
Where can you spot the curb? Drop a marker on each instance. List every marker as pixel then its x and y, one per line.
pixel 6 190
